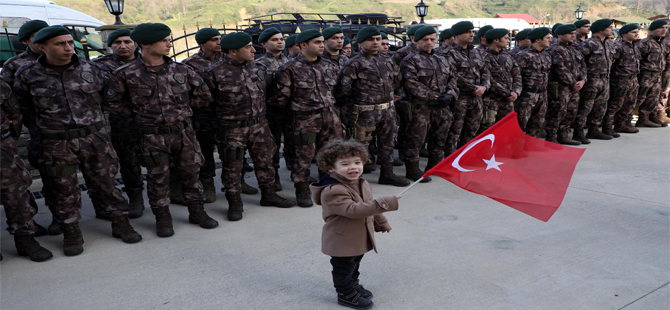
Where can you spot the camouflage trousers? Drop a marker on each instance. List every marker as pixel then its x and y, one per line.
pixel 467 117
pixel 277 123
pixel 258 140
pixel 427 121
pixel 205 131
pixel 183 150
pixel 620 108
pixel 14 182
pixel 125 137
pixel 531 109
pixel 561 111
pixel 649 93
pixel 493 106
pixel 98 162
pixel 380 128
pixel 665 92
pixel 327 126
pixel 593 99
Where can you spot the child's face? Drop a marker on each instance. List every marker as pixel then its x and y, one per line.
pixel 349 167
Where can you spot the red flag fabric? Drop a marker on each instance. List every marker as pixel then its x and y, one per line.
pixel 526 173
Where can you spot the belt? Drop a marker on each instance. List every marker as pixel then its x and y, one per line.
pixel 312 112
pixel 71 133
pixel 650 73
pixel 6 134
pixel 534 89
pixel 242 124
pixel 425 102
pixel 150 130
pixel 623 77
pixel 371 107
pixel 597 76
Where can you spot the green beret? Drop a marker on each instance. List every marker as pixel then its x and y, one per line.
pixel 267 34
pixel 307 35
pixel 31 27
pixel 366 33
pixel 657 24
pixel 628 28
pixel 123 32
pixel 235 40
pixel 329 32
pixel 482 31
pixel 461 27
pixel 538 33
pixel 424 31
pixel 581 23
pixel 565 29
pixel 446 33
pixel 523 34
pixel 148 33
pixel 347 41
pixel 47 33
pixel 384 36
pixel 412 30
pixel 495 34
pixel 553 29
pixel 600 25
pixel 203 35
pixel 290 41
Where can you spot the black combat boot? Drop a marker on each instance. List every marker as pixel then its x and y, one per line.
pixel 563 138
pixel 354 300
pixel 608 129
pixel 371 166
pixel 595 133
pixel 235 206
pixel 121 228
pixel 101 213
pixel 387 177
pixel 552 136
pixel 278 186
pixel 248 189
pixel 303 195
pixel 625 127
pixel 28 246
pixel 177 193
pixel 643 121
pixel 432 161
pixel 197 215
pixel 209 190
pixel 361 290
pixel 269 198
pixel 579 135
pixel 413 172
pixel 73 242
pixel 163 221
pixel 40 230
pixel 136 200
pixel 54 229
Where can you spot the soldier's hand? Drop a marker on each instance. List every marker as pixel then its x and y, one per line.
pixel 444 101
pixel 479 91
pixel 578 85
pixel 397 98
pixel 512 97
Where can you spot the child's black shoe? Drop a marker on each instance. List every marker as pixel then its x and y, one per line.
pixel 361 290
pixel 354 300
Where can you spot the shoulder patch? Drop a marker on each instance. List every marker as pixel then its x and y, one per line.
pixel 87 76
pixel 261 74
pixel 329 73
pixel 110 93
pixel 346 80
pixel 389 65
pixel 179 77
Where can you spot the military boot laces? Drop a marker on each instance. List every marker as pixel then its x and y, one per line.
pixel 354 300
pixel 121 228
pixel 387 177
pixel 136 200
pixel 303 195
pixel 73 242
pixel 28 246
pixel 595 133
pixel 235 206
pixel 163 221
pixel 361 290
pixel 209 190
pixel 269 198
pixel 197 215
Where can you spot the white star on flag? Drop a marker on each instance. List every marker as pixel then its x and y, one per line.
pixel 492 163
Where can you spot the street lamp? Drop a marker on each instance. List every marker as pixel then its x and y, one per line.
pixel 115 7
pixel 421 10
pixel 579 13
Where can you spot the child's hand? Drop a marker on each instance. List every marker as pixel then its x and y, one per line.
pixel 385 231
pixel 399 196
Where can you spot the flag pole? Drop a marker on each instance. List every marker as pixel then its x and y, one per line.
pixel 406 189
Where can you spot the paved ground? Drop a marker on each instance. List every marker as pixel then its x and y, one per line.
pixel 607 247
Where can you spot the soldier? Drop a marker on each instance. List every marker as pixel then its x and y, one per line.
pixel 522 42
pixel 535 63
pixel 159 93
pixel 124 131
pixel 370 82
pixel 474 79
pixel 61 94
pixel 554 36
pixel 598 55
pixel 384 47
pixel 15 180
pixel 623 83
pixel 665 83
pixel 652 65
pixel 430 83
pixel 238 86
pixel 483 44
pixel 566 79
pixel 334 42
pixel 204 119
pixel 400 54
pixel 305 90
pixel 273 41
pixel 583 28
pixel 292 47
pixel 346 47
pixel 506 82
pixel 446 39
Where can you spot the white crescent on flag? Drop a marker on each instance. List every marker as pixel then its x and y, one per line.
pixel 490 164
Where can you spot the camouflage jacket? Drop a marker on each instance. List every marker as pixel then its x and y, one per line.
pixel 517 49
pixel 303 85
pixel 51 100
pixel 111 62
pixel 442 50
pixel 535 66
pixel 505 73
pixel 13 64
pixel 9 111
pixel 652 54
pixel 156 98
pixel 627 59
pixel 338 61
pixel 471 68
pixel 272 63
pixel 200 61
pixel 579 40
pixel 400 54
pixel 369 79
pixel 666 45
pixel 598 55
pixel 567 64
pixel 426 75
pixel 238 89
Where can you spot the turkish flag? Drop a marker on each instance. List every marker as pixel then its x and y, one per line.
pixel 526 173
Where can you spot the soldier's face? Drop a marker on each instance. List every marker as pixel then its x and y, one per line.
pixel 212 45
pixel 123 46
pixel 384 47
pixel 58 49
pixel 427 42
pixel 161 47
pixel 312 48
pixel 608 31
pixel 245 53
pixel 450 41
pixel 503 42
pixel 466 38
pixel 524 43
pixel 631 35
pixel 336 42
pixel 584 30
pixel 568 37
pixel 546 41
pixel 275 44
pixel 347 49
pixel 372 45
pixel 660 32
pixel 294 50
pixel 33 47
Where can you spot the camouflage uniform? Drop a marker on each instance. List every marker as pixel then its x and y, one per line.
pixel 67 110
pixel 516 50
pixel 471 71
pixel 623 84
pixel 400 54
pixel 665 82
pixel 598 56
pixel 652 65
pixel 532 103
pixel 567 69
pixel 343 109
pixel 505 80
pixel 442 50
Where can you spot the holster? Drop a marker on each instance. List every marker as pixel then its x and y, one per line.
pixel 552 90
pixel 301 137
pixel 153 159
pixel 489 112
pixel 360 133
pixel 51 169
pixel 230 154
pixel 618 92
pixel 588 94
pixel 404 110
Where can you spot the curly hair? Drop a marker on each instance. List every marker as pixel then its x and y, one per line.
pixel 335 149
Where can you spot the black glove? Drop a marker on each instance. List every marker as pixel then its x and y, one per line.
pixel 445 100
